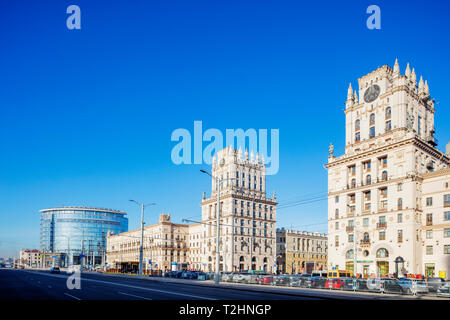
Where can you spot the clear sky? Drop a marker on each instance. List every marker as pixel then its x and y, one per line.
pixel 86 115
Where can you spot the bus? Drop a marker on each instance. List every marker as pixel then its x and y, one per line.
pixel 339 274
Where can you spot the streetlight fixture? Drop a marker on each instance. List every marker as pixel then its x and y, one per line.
pixel 219 182
pixel 141 247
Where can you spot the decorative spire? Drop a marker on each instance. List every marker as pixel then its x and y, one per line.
pixel 396 67
pixel 240 153
pixel 427 89
pixel 246 155
pixel 257 157
pixel 252 156
pixel 355 96
pixel 262 159
pixel 421 85
pixel 413 77
pixel 349 92
pixel 408 71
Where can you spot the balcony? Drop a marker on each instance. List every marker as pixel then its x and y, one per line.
pixel 381 225
pixel 364 243
pixel 349 228
pixel 351 214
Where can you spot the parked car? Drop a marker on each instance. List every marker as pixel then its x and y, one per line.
pixel 410 285
pixel 267 280
pixel 434 284
pixel 335 283
pixel 444 291
pixel 242 278
pixel 55 270
pixel 318 281
pixel 391 286
pixel 228 277
pixel 281 280
pixel 294 280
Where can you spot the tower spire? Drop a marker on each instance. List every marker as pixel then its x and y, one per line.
pixel 408 71
pixel 414 77
pixel 396 67
pixel 350 92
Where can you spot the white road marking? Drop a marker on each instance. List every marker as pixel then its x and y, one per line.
pixel 71 296
pixel 132 295
pixel 134 287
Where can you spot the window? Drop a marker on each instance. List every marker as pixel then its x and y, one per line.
pixel 357 125
pixel 366 237
pixel 372 132
pixel 418 125
pixel 336 215
pixel 382 235
pixel 368 179
pixel 350 223
pixel 429 219
pixel 353 183
pixel 429 201
pixel 429 250
pixel 336 240
pixel 400 236
pixel 350 238
pixel 384 176
pixel 366 222
pixel 388 125
pixel 446 200
pixel 447 216
pixel 337 225
pixel 349 254
pixel 399 218
pixel 357 137
pixel 429 234
pixel 382 253
pixel 388 113
pixel 400 204
pixel 372 118
pixel 446 232
pixel 447 249
pixel 400 187
pixel 336 199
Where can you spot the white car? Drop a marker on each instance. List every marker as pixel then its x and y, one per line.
pixel 410 286
pixel 444 291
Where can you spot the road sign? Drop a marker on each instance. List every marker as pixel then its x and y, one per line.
pixel 149 261
pixel 82 256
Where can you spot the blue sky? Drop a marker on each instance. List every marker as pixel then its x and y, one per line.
pixel 86 115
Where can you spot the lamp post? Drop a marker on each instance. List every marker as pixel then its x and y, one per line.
pixel 68 249
pixel 82 249
pixel 219 182
pixel 141 247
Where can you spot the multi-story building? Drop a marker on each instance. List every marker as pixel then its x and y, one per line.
pixel 247 233
pixel 68 232
pixel 248 217
pixel 376 189
pixel 301 251
pixel 165 244
pixel 30 258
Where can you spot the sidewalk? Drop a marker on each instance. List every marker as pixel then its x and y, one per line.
pixel 291 291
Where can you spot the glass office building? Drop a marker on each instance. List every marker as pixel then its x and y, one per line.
pixel 70 232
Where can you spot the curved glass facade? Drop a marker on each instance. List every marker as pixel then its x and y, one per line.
pixel 73 231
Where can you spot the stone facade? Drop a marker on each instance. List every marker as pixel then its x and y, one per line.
pixel 376 189
pixel 30 258
pixel 301 251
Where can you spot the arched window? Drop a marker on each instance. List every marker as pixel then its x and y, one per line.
pixel 336 215
pixel 254 259
pixel 384 176
pixel 241 259
pixel 368 179
pixel 357 125
pixel 388 112
pixel 265 260
pixel 372 118
pixel 382 253
pixel 366 237
pixel 399 203
pixel 349 254
pixel 353 183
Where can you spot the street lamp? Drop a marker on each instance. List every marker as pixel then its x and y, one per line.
pixel 141 247
pixel 219 182
pixel 68 248
pixel 82 249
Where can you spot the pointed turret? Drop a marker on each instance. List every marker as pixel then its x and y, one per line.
pixel 421 85
pixel 246 155
pixel 350 92
pixel 426 88
pixel 355 97
pixel 252 156
pixel 396 67
pixel 407 71
pixel 414 78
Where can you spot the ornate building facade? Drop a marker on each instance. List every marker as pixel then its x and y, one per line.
pixel 247 233
pixel 301 251
pixel 376 189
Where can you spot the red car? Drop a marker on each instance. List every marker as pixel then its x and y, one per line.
pixel 266 280
pixel 335 283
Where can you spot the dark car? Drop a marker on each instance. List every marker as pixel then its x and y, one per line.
pixel 434 284
pixel 391 286
pixel 318 282
pixel 282 280
pixel 55 270
pixel 444 291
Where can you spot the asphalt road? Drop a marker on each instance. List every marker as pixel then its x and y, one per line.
pixel 40 285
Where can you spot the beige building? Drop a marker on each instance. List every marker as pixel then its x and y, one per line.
pixel 30 258
pixel 165 243
pixel 301 251
pixel 247 233
pixel 376 190
pixel 248 217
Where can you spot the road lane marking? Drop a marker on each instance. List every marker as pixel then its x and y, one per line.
pixel 132 295
pixel 71 296
pixel 135 287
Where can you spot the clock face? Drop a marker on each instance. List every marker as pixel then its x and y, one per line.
pixel 371 93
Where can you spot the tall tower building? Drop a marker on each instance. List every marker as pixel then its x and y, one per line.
pixel 247 215
pixel 375 189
